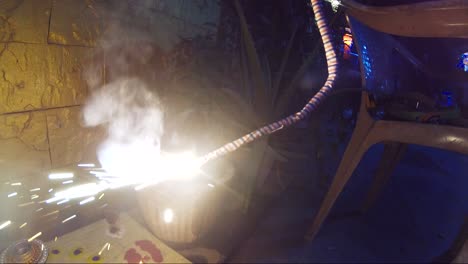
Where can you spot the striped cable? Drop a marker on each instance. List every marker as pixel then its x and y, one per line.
pixel 313 103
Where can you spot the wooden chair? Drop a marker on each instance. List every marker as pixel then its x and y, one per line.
pixel 414 20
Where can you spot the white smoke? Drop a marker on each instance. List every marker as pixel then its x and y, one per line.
pixel 134 120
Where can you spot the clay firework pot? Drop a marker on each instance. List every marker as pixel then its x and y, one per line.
pixel 179 211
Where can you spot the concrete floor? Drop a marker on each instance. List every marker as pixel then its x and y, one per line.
pixel 415 219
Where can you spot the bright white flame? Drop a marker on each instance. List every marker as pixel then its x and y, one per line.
pixel 168 215
pixel 5 224
pixel 131 154
pixel 60 176
pixel 86 165
pixel 68 219
pixel 87 200
pixel 155 169
pixel 34 237
pixel 12 194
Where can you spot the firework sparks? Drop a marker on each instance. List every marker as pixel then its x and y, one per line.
pixel 12 194
pixel 5 224
pixel 50 190
pixel 63 201
pixel 86 165
pixel 100 196
pixel 25 204
pixel 23 225
pixel 87 200
pixel 68 219
pixel 16 184
pixel 107 245
pixel 61 176
pixel 35 236
pixel 35 190
pixel 67 182
pixel 35 196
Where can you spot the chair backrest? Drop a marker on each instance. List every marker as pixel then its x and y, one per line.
pixel 400 53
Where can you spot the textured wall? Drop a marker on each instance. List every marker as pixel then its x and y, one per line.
pixel 45 48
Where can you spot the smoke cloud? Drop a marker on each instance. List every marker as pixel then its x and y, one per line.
pixel 128 104
pixel 134 120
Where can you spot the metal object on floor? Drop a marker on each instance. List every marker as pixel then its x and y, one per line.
pixel 25 252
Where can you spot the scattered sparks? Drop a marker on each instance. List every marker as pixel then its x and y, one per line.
pixel 35 190
pixel 16 184
pixel 86 165
pixel 40 209
pixel 168 215
pixel 87 200
pixel 60 176
pixel 35 196
pixel 100 196
pixel 34 237
pixel 67 182
pixel 63 201
pixel 108 246
pixel 23 225
pixel 79 191
pixel 5 224
pixel 50 190
pixel 55 239
pixel 104 247
pixel 211 185
pixel 51 213
pixel 68 219
pixel 12 194
pixel 25 204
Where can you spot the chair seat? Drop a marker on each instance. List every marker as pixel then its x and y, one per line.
pixel 441 18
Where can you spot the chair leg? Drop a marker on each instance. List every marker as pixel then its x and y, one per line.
pixel 351 158
pixel 393 152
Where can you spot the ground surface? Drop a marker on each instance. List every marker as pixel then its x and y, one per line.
pixel 415 219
